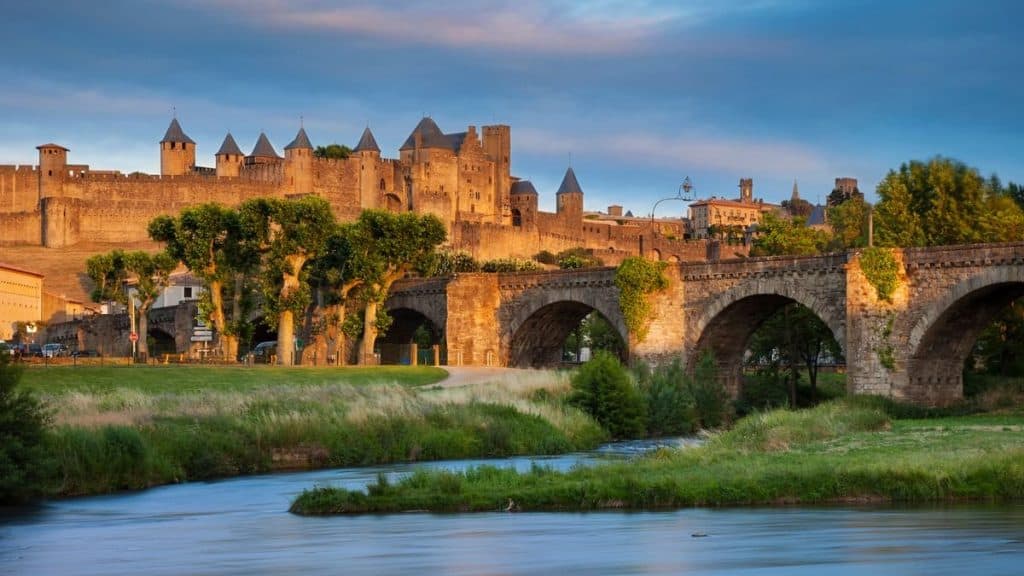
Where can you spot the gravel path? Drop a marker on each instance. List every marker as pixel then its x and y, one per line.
pixel 469 375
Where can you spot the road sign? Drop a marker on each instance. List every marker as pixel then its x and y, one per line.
pixel 199 332
pixel 134 337
pixel 202 338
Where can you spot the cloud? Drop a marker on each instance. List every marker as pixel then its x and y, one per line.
pixel 528 26
pixel 711 152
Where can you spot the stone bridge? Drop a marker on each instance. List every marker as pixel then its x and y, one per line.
pixel 912 347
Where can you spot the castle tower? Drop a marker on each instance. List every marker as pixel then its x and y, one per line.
pixel 59 214
pixel 229 158
pixel 263 152
pixel 497 144
pixel 371 184
pixel 298 158
pixel 746 190
pixel 177 151
pixel 570 200
pixel 53 162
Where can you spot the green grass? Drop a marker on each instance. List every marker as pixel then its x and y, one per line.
pixel 837 452
pixel 135 427
pixel 57 380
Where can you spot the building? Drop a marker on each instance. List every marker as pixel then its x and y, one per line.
pixel 718 216
pixel 21 299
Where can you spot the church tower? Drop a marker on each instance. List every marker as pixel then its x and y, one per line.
pixel 177 151
pixel 298 158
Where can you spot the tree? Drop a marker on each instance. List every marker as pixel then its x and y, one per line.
pixel 151 273
pixel 782 237
pixel 398 244
pixel 337 151
pixel 288 234
pixel 341 268
pixel 108 275
pixel 24 462
pixel 798 207
pixel 849 221
pixel 943 201
pixel 793 337
pixel 602 388
pixel 208 239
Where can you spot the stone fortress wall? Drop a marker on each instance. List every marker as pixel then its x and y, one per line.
pixel 463 178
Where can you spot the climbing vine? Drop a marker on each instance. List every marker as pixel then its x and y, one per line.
pixel 636 278
pixel 886 352
pixel 881 269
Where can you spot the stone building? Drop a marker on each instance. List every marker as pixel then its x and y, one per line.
pixel 463 178
pixel 21 298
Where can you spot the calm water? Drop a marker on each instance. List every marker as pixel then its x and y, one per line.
pixel 241 526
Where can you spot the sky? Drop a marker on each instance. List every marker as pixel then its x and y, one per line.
pixel 635 95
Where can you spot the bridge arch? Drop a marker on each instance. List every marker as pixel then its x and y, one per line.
pixel 728 322
pixel 406 325
pixel 945 333
pixel 538 331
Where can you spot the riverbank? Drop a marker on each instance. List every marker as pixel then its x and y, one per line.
pixel 125 428
pixel 850 450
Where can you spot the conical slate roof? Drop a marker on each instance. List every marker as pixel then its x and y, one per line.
pixel 176 134
pixel 301 141
pixel 367 143
pixel 263 148
pixel 524 187
pixel 569 184
pixel 430 134
pixel 229 146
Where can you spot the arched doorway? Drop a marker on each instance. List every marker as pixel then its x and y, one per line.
pixel 410 327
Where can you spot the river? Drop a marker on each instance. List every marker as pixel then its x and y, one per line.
pixel 242 526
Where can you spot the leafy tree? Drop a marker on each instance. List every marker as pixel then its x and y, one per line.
pixel 151 273
pixel 337 151
pixel 789 237
pixel 24 462
pixel 798 207
pixel 849 221
pixel 209 240
pixel 998 349
pixel 792 338
pixel 398 244
pixel 108 274
pixel 288 234
pixel 603 389
pixel 943 201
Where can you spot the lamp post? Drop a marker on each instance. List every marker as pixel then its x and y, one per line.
pixel 685 193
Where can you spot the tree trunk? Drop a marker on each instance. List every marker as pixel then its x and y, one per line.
pixel 217 314
pixel 335 319
pixel 366 357
pixel 231 342
pixel 286 338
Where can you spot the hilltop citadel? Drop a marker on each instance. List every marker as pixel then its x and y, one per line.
pixel 463 178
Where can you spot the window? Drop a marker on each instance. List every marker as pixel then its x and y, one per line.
pixel 517 217
pixel 188 291
pixel 172 145
pixel 382 184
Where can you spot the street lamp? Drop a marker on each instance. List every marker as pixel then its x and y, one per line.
pixel 685 193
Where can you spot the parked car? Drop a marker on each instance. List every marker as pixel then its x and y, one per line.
pixel 6 348
pixel 54 349
pixel 265 352
pixel 34 350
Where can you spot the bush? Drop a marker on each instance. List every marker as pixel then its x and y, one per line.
pixel 603 389
pixel 509 265
pixel 710 400
pixel 546 257
pixel 670 405
pixel 24 463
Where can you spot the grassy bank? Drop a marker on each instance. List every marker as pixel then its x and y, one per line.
pixel 130 428
pixel 845 450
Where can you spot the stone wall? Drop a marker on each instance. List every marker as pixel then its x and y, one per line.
pixel 472 324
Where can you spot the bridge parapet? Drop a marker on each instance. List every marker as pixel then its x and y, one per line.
pixel 763 266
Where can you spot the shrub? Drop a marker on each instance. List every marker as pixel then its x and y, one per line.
pixel 24 462
pixel 509 265
pixel 710 400
pixel 670 405
pixel 603 389
pixel 546 257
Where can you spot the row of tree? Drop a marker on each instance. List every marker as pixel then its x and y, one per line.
pixel 309 270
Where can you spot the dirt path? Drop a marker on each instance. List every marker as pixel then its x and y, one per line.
pixel 469 375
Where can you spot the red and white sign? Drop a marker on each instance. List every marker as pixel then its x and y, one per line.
pixel 134 337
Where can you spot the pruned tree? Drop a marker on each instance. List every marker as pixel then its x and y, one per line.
pixel 396 245
pixel 288 234
pixel 151 274
pixel 340 269
pixel 209 240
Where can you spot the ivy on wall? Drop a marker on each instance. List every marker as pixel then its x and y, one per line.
pixel 637 278
pixel 886 352
pixel 881 270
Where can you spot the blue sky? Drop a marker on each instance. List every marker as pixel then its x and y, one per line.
pixel 640 93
